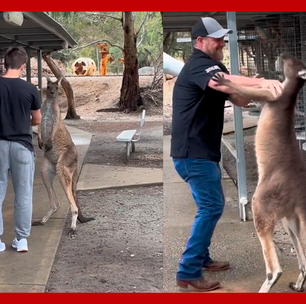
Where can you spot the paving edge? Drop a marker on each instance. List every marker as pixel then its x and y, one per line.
pixel 123 186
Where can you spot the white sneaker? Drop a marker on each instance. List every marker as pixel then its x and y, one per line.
pixel 2 246
pixel 21 245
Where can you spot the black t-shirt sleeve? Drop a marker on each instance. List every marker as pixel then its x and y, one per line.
pixel 202 71
pixel 35 100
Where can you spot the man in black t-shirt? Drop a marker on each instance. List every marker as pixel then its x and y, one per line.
pixel 19 110
pixel 197 124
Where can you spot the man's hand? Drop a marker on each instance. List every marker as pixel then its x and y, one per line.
pixel 274 86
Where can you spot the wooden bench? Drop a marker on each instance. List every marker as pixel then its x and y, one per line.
pixel 131 136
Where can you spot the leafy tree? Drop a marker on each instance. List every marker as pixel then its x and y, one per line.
pixel 138 34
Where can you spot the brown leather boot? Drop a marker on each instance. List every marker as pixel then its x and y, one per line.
pixel 198 285
pixel 217 266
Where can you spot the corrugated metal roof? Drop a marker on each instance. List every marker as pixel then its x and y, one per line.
pixel 38 32
pixel 183 21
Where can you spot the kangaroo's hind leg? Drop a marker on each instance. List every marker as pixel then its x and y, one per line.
pixel 264 224
pixel 296 228
pixel 48 174
pixel 64 174
pixel 81 217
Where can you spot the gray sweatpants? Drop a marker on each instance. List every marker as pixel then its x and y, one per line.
pixel 18 161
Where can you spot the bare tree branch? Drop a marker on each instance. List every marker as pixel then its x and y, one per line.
pixel 148 51
pixel 88 44
pixel 122 19
pixel 143 22
pixel 110 16
pixel 142 37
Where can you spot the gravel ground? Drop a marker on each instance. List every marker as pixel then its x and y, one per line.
pixel 121 251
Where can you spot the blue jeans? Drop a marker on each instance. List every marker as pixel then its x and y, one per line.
pixel 18 161
pixel 204 179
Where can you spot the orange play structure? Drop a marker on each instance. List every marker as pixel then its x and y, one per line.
pixel 105 57
pixel 84 66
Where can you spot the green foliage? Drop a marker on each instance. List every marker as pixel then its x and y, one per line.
pixel 179 50
pixel 150 39
pixel 87 27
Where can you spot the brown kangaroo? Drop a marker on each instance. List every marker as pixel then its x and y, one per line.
pixel 280 193
pixel 60 157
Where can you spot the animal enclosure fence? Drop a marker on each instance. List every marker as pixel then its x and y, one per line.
pixel 261 45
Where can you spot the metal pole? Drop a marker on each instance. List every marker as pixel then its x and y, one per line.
pixel 240 160
pixel 98 60
pixel 39 72
pixel 28 65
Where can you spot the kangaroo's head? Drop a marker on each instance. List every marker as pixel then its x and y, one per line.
pixel 52 87
pixel 294 69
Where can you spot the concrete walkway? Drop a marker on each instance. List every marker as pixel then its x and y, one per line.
pixel 29 272
pixel 103 177
pixel 233 240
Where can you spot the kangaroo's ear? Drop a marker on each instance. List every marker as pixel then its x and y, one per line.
pixel 48 79
pixel 302 74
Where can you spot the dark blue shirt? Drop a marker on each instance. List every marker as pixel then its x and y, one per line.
pixel 198 110
pixel 17 99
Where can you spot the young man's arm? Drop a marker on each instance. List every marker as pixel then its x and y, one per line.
pixel 35 108
pixel 35 117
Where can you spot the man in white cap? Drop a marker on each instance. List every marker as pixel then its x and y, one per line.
pixel 197 124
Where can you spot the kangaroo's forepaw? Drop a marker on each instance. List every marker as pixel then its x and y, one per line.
pixel 47 148
pixel 292 285
pixel 219 78
pixel 48 144
pixel 38 223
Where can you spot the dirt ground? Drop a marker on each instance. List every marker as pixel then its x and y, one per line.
pixel 281 238
pixel 93 93
pixel 120 251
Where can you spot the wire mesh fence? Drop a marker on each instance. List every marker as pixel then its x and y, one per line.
pixel 261 46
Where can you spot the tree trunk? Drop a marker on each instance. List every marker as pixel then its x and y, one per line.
pixel 166 42
pixel 130 97
pixel 71 111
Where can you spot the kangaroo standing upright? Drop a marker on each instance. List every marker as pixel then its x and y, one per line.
pixel 60 157
pixel 280 193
